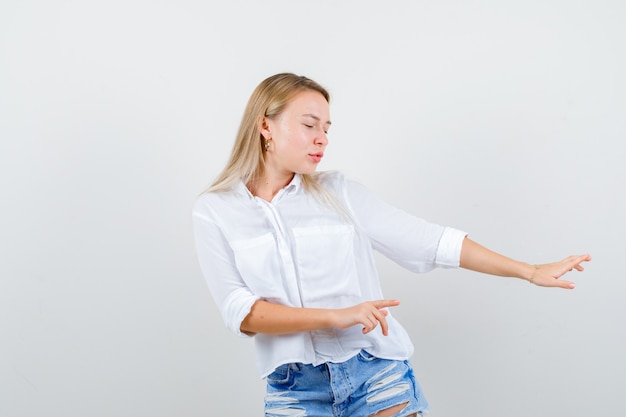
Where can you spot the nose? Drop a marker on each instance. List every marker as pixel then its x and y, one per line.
pixel 321 138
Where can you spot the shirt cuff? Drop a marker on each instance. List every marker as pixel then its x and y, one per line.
pixel 236 308
pixel 449 249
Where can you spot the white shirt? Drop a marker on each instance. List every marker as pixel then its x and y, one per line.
pixel 299 252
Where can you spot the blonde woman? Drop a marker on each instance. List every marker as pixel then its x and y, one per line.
pixel 288 257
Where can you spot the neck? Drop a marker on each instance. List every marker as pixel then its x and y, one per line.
pixel 267 186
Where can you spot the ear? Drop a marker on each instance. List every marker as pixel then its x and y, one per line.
pixel 264 128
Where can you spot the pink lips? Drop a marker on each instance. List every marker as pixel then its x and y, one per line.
pixel 316 157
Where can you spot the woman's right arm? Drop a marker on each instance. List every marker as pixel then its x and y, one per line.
pixel 246 314
pixel 266 317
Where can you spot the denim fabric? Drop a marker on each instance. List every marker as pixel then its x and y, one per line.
pixel 358 387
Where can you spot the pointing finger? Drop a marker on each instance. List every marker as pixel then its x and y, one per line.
pixel 385 303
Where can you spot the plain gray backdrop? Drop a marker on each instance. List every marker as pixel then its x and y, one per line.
pixel 502 118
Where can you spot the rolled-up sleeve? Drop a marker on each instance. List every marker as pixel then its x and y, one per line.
pixel 449 249
pixel 412 242
pixel 232 297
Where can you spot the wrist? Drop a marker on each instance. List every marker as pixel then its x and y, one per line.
pixel 531 273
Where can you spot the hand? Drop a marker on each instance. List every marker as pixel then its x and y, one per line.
pixel 547 275
pixel 368 314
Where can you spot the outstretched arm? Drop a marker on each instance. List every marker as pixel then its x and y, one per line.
pixel 266 317
pixel 480 259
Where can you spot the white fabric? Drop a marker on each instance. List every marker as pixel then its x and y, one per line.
pixel 299 252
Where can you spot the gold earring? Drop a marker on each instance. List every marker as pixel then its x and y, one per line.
pixel 267 145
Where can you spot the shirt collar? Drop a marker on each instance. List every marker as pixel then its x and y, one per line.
pixel 292 187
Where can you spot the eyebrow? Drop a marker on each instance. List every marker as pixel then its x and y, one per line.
pixel 312 116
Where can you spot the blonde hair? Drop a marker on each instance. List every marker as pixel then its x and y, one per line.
pixel 247 158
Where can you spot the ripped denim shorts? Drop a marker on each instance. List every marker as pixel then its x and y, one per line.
pixel 360 386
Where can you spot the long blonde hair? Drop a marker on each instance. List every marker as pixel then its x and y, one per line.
pixel 247 158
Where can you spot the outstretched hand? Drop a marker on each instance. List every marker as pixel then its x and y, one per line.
pixel 368 314
pixel 548 275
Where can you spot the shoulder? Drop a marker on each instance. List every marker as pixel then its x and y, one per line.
pixel 336 179
pixel 340 184
pixel 209 203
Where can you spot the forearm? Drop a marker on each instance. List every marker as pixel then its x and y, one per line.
pixel 266 317
pixel 480 259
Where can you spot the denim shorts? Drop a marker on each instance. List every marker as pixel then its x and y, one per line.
pixel 358 387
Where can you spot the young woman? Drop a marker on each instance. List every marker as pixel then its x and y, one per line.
pixel 288 257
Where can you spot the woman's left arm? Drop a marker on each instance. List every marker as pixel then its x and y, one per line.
pixel 480 259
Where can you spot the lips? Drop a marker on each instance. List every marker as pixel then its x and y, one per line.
pixel 316 157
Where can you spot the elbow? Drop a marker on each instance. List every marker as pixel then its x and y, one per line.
pixel 246 328
pixel 236 311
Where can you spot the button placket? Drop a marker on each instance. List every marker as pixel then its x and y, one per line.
pixel 284 250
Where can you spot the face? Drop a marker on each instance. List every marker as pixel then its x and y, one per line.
pixel 298 136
